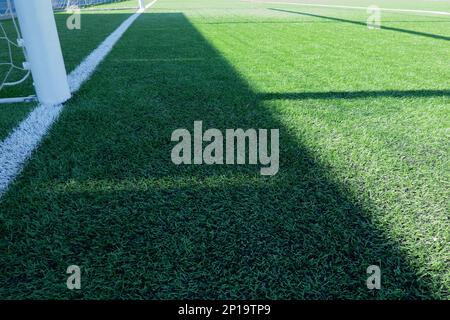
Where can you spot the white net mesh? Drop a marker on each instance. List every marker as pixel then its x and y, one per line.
pixel 12 54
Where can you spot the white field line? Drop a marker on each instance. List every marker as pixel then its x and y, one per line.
pixel 442 13
pixel 17 148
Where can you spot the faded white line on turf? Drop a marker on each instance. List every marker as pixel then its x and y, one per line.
pixel 23 140
pixel 442 13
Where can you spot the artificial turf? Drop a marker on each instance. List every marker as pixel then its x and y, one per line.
pixel 363 118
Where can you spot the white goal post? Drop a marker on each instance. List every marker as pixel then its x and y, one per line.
pixel 41 41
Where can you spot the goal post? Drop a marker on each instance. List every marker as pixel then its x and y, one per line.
pixel 44 55
pixel 35 40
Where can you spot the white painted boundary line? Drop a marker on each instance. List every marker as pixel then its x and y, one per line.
pixel 17 148
pixel 443 13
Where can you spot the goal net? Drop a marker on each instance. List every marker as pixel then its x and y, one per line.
pixel 95 4
pixel 16 56
pixel 13 69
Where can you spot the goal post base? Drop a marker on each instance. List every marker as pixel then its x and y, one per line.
pixel 18 100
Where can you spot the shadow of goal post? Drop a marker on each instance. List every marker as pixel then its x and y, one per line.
pixel 44 55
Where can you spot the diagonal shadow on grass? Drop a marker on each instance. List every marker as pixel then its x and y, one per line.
pixel 355 94
pixel 417 33
pixel 103 193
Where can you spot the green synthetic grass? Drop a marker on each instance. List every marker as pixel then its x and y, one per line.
pixel 363 118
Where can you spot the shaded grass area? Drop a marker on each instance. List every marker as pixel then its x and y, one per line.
pixel 11 115
pixel 102 192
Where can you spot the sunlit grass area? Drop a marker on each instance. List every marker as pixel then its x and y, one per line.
pixel 363 118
